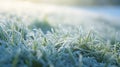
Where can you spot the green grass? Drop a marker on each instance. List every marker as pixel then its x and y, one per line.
pixel 41 45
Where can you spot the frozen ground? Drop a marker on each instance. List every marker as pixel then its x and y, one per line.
pixel 87 37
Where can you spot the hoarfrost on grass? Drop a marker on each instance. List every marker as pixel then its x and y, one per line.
pixel 62 46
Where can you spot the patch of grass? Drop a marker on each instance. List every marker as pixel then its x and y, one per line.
pixel 43 25
pixel 63 46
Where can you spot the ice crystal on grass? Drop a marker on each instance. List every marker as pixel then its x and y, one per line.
pixel 62 46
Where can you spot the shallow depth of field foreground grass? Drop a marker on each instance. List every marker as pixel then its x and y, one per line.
pixel 59 46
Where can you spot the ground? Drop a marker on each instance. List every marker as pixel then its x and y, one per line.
pixel 33 35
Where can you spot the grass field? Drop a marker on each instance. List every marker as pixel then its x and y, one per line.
pixel 59 39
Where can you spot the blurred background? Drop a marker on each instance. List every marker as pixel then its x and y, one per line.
pixel 66 11
pixel 78 2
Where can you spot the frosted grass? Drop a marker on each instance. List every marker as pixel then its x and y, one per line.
pixel 60 46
